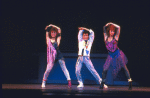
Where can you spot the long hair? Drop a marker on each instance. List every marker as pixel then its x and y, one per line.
pixel 111 27
pixel 53 29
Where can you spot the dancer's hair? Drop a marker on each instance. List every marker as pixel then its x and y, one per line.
pixel 54 29
pixel 111 27
pixel 86 32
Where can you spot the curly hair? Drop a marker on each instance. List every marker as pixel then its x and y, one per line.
pixel 112 28
pixel 53 29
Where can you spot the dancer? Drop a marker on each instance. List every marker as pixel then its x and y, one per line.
pixel 116 57
pixel 85 40
pixel 53 37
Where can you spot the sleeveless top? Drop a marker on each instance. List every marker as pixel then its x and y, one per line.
pixel 112 48
pixel 58 53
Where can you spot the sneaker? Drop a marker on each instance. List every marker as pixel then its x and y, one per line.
pixel 130 80
pixel 105 86
pixel 43 85
pixel 80 85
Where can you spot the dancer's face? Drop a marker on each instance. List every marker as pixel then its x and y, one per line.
pixel 53 34
pixel 111 32
pixel 85 36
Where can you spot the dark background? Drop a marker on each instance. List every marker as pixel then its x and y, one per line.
pixel 23 34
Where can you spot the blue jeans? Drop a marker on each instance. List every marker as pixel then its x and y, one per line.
pixel 86 60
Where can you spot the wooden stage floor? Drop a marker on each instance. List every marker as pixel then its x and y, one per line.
pixel 53 90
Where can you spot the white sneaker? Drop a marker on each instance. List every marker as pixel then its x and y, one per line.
pixel 43 85
pixel 80 85
pixel 130 80
pixel 105 86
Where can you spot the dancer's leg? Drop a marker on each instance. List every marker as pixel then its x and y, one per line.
pixel 105 70
pixel 128 76
pixel 78 70
pixel 48 69
pixel 64 69
pixel 91 68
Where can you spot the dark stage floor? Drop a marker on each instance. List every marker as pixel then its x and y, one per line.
pixel 51 90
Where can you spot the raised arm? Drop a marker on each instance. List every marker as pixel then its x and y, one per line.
pixel 47 38
pixel 80 34
pixel 59 30
pixel 51 25
pixel 91 36
pixel 58 39
pixel 59 33
pixel 118 29
pixel 118 32
pixel 105 34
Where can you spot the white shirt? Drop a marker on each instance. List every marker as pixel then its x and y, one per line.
pixel 82 44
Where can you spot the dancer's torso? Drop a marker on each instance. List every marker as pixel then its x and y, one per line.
pixel 83 50
pixel 112 45
pixel 59 54
pixel 54 43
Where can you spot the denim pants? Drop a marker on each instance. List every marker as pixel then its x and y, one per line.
pixel 86 60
